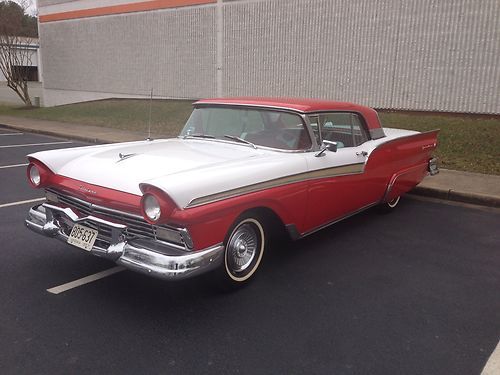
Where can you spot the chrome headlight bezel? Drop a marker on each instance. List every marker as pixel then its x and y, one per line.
pixel 34 175
pixel 151 207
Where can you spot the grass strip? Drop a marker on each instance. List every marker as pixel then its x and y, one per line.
pixel 466 142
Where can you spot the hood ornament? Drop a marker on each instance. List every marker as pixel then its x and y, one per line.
pixel 125 156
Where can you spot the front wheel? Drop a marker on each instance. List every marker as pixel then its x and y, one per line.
pixel 243 251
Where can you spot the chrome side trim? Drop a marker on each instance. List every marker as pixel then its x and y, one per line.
pixel 343 170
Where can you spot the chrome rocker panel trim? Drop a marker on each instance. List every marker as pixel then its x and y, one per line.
pixel 147 256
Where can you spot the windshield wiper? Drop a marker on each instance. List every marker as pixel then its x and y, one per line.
pixel 199 135
pixel 235 138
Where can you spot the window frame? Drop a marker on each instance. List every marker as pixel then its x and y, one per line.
pixel 318 115
pixel 302 115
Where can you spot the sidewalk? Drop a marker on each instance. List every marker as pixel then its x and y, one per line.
pixel 461 186
pixel 86 133
pixel 451 185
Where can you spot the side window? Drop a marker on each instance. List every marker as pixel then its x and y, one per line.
pixel 344 128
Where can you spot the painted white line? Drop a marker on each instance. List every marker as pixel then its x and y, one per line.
pixel 492 367
pixel 36 144
pixel 11 134
pixel 13 166
pixel 21 202
pixel 85 280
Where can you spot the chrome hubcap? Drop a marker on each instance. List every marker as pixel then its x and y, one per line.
pixel 242 248
pixel 394 202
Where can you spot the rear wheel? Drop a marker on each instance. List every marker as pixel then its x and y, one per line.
pixel 387 207
pixel 243 251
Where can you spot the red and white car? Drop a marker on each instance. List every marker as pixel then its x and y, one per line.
pixel 240 169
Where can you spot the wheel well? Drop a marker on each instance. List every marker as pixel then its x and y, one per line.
pixel 272 222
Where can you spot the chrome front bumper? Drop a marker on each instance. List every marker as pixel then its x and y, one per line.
pixel 145 255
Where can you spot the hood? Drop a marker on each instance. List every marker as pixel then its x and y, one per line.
pixel 183 168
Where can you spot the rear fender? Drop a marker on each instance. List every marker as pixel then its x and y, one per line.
pixel 403 181
pixel 406 161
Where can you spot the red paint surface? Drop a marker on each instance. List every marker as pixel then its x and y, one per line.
pixel 302 105
pixel 103 196
pixel 307 204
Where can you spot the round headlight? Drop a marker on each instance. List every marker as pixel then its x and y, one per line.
pixel 151 207
pixel 35 175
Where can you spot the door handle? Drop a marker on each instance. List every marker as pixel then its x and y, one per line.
pixel 362 153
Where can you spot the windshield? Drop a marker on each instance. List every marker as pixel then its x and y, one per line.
pixel 260 127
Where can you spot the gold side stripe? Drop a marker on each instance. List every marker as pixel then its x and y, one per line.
pixel 311 175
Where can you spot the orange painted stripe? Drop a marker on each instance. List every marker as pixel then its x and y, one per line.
pixel 123 8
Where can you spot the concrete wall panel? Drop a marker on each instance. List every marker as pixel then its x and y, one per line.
pixel 171 51
pixel 433 55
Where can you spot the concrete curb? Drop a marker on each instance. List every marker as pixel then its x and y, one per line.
pixel 457 196
pixel 55 134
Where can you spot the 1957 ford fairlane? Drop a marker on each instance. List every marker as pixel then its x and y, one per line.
pixel 210 198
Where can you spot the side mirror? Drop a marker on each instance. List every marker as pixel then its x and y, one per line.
pixel 331 146
pixel 327 145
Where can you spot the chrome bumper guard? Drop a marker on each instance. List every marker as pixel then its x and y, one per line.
pixel 433 167
pixel 144 255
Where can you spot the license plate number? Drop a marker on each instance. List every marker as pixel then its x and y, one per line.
pixel 82 237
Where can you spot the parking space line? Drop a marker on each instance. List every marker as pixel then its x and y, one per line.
pixel 13 166
pixel 21 202
pixel 36 144
pixel 11 134
pixel 85 280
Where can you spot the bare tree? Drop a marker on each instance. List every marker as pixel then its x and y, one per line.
pixel 16 47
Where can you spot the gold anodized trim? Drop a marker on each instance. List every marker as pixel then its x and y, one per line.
pixel 311 175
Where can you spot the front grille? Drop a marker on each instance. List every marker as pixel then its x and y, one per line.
pixel 137 227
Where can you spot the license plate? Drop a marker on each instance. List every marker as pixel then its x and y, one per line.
pixel 82 237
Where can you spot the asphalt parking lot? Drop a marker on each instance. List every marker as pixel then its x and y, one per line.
pixel 413 292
